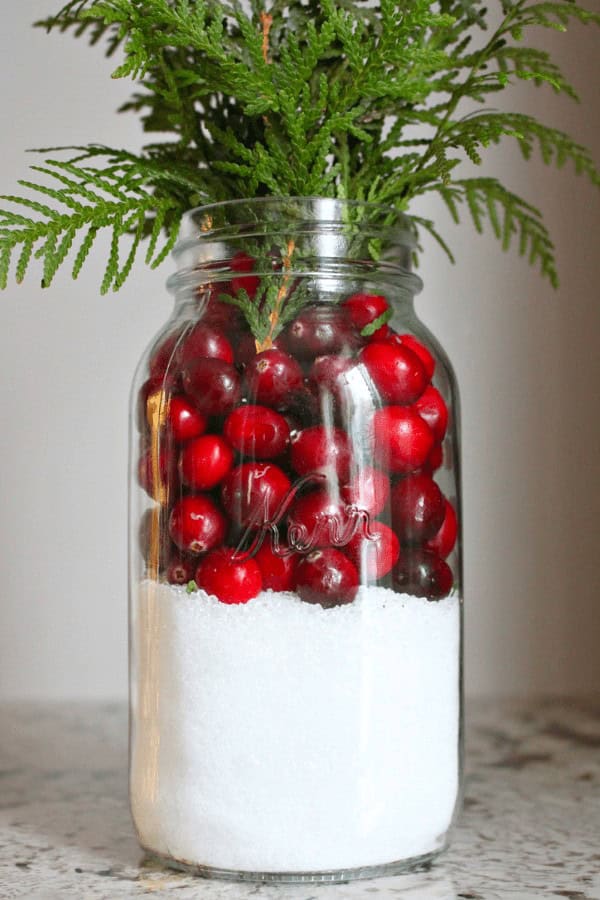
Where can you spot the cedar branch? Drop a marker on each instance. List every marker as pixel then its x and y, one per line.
pixel 281 293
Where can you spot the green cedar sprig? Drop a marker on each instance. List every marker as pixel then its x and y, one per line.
pixel 278 299
pixel 377 323
pixel 336 99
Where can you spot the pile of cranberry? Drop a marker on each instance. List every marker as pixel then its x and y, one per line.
pixel 259 447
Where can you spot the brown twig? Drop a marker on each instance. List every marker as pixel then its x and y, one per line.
pixel 157 408
pixel 274 316
pixel 267 21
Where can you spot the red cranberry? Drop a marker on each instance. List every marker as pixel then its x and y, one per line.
pixel 213 385
pixel 402 439
pixel 205 461
pixel 431 406
pixel 183 420
pixel 319 331
pixel 203 341
pixel 320 519
pixel 253 492
pixel 418 508
pixel 277 571
pixel 434 460
pixel 294 423
pixel 229 578
pixel 161 356
pixel 368 489
pixel 257 432
pixel 222 316
pixel 327 577
pixel 328 376
pixel 382 334
pixel 408 340
pixel 271 376
pixel 180 569
pixel 443 542
pixel 245 350
pixel 196 524
pixel 423 574
pixel 364 309
pixel 321 449
pixel 156 481
pixel 304 406
pixel 374 558
pixel 241 262
pixel 396 372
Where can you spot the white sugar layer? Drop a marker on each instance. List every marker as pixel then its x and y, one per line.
pixel 278 736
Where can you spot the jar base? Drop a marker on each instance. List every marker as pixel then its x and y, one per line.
pixel 336 876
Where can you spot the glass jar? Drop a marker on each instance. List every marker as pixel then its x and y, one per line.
pixel 296 601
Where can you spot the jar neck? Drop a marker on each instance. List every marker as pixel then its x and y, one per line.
pixel 333 246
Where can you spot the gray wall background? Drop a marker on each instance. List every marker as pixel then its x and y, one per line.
pixel 527 361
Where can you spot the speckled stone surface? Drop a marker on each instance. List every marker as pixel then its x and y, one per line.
pixel 530 827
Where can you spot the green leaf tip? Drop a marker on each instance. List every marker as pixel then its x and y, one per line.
pixel 377 323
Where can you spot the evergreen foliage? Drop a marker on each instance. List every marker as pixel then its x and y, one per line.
pixel 341 98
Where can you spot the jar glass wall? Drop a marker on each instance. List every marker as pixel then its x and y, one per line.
pixel 295 564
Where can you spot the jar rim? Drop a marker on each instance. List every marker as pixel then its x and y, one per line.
pixel 198 221
pixel 339 233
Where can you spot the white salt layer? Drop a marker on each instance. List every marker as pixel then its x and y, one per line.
pixel 278 736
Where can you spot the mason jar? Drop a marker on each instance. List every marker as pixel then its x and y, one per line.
pixel 295 564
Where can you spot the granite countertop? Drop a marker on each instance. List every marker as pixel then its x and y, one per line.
pixel 530 827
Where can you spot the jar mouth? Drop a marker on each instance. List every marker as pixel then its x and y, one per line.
pixel 215 218
pixel 330 236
